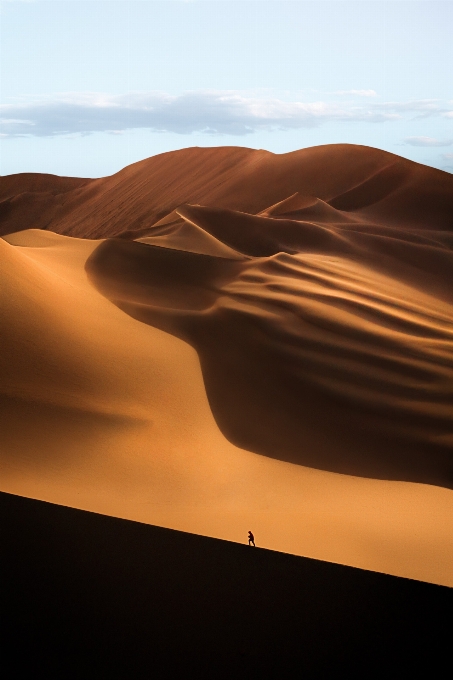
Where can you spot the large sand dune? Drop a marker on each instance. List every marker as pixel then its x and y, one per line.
pixel 278 354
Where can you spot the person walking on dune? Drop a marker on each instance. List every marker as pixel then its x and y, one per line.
pixel 252 539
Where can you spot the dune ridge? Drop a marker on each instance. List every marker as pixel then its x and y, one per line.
pixel 279 351
pixel 236 178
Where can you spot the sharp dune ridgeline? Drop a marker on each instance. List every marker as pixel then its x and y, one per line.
pixel 219 339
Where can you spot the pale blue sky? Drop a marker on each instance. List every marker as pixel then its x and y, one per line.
pixel 89 86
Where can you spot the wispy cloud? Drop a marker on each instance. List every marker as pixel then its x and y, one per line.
pixel 357 93
pixel 428 141
pixel 447 156
pixel 420 108
pixel 214 112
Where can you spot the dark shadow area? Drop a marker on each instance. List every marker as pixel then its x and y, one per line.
pixel 372 190
pixel 85 595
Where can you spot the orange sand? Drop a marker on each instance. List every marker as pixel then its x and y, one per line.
pixel 279 359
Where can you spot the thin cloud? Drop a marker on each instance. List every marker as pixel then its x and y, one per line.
pixel 357 93
pixel 447 156
pixel 421 108
pixel 428 141
pixel 211 112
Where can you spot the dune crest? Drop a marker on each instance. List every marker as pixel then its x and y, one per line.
pixel 136 198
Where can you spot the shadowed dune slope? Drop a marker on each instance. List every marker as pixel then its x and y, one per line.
pixel 313 359
pixel 99 596
pixel 36 200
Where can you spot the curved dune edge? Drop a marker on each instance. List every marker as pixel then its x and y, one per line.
pixel 111 415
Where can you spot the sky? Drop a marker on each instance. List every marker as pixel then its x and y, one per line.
pixel 90 86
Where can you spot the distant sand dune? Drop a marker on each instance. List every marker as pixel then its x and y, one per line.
pixel 278 354
pixel 350 177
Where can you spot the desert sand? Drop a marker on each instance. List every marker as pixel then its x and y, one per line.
pixel 95 596
pixel 218 340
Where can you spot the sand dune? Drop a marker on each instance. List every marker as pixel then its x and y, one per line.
pixel 235 178
pixel 278 354
pixel 86 591
pixel 362 372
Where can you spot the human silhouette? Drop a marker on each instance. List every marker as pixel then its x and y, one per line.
pixel 252 539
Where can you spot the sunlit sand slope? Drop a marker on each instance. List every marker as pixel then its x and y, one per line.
pixel 280 358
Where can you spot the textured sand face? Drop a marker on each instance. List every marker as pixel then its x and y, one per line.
pixel 293 373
